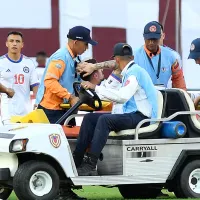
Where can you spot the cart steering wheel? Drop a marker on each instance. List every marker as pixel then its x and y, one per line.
pixel 88 96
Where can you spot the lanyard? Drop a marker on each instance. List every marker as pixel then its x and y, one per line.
pixel 159 63
pixel 76 62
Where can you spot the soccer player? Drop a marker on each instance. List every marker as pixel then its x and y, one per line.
pixel 17 72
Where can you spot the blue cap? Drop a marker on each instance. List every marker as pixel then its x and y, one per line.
pixel 152 31
pixel 81 33
pixel 195 49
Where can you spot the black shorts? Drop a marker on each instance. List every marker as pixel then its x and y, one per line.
pixel 54 115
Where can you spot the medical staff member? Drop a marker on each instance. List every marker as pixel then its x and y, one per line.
pixel 195 55
pixel 158 61
pixel 139 98
pixel 56 85
pixel 161 43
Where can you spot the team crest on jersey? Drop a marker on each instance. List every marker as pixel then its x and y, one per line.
pixel 152 28
pixel 26 69
pixel 192 47
pixel 55 140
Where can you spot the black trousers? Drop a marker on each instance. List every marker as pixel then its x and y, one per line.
pixel 96 127
pixel 54 115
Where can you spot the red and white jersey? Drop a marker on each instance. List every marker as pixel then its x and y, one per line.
pixel 19 75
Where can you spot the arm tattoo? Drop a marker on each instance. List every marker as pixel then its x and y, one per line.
pixel 106 65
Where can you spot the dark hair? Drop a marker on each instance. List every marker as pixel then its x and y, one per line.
pixel 15 33
pixel 88 78
pixel 161 26
pixel 41 53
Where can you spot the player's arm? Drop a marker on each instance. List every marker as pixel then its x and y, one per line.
pixel 35 89
pixel 122 95
pixel 88 68
pixel 178 80
pixel 51 81
pixel 9 91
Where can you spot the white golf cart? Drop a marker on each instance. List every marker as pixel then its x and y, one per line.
pixel 36 158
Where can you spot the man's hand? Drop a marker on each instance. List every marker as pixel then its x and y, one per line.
pixel 73 100
pixel 10 92
pixel 88 68
pixel 87 85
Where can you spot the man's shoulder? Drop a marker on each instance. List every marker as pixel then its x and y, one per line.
pixel 2 58
pixel 169 48
pixel 176 54
pixel 170 51
pixel 135 68
pixel 28 61
pixel 168 54
pixel 60 54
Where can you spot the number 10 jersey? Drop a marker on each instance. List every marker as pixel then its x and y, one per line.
pixel 19 75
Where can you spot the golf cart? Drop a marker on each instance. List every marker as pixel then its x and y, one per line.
pixel 36 158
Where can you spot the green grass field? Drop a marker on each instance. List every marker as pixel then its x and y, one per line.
pixel 96 192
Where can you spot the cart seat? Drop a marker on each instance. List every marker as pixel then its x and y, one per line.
pixel 179 100
pixel 191 108
pixel 71 132
pixel 144 132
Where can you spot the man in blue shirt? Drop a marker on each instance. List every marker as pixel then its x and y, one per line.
pixel 176 54
pixel 158 61
pixel 195 51
pixel 195 55
pixel 138 99
pixel 56 85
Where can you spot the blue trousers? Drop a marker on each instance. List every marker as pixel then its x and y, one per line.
pixel 96 127
pixel 54 115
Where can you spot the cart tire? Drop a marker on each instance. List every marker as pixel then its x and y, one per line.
pixel 189 181
pixel 141 191
pixel 5 193
pixel 36 180
pixel 177 189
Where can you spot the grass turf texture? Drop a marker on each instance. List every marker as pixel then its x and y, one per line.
pixel 96 192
